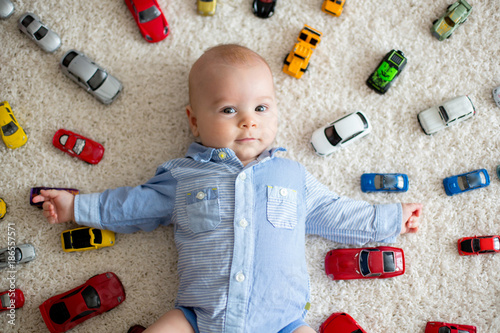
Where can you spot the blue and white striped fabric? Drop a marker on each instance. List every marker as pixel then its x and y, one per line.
pixel 240 232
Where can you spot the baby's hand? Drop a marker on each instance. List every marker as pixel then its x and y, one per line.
pixel 411 214
pixel 58 205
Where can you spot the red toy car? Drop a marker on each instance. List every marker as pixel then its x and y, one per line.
pixel 438 327
pixel 78 146
pixel 150 19
pixel 340 323
pixel 478 245
pixel 11 299
pixel 99 294
pixel 365 263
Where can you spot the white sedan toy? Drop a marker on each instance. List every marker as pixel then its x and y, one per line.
pixel 340 133
pixel 441 116
pixel 44 37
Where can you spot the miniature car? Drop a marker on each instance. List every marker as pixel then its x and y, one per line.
pixel 365 263
pixel 13 134
pixel 78 146
pixel 99 294
pixel 496 96
pixel 207 7
pixel 466 182
pixel 149 18
pixel 340 133
pixel 86 238
pixel 478 245
pixel 6 9
pixel 438 327
pixel 456 14
pixel 297 61
pixel 449 113
pixel 44 37
pixel 333 7
pixel 11 299
pixel 384 182
pixel 3 208
pixel 36 191
pixel 340 323
pixel 90 76
pixel 263 8
pixel 16 255
pixel 389 68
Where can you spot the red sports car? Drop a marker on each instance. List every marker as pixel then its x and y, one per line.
pixel 78 146
pixel 11 299
pixel 478 245
pixel 99 294
pixel 150 19
pixel 340 323
pixel 437 327
pixel 365 263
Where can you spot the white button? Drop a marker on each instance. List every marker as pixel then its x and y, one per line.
pixel 243 223
pixel 240 277
pixel 222 155
pixel 283 192
pixel 243 176
pixel 200 195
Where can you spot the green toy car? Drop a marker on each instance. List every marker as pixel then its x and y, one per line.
pixel 456 14
pixel 390 67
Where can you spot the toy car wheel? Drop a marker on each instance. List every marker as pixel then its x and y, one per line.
pixel 434 22
pixel 307 67
pixel 498 171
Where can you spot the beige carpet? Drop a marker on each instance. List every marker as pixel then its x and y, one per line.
pixel 147 125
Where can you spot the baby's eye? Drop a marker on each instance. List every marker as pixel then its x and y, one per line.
pixel 261 108
pixel 229 110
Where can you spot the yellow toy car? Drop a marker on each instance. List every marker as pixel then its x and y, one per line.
pixel 13 134
pixel 86 238
pixel 207 7
pixel 3 208
pixel 333 7
pixel 297 61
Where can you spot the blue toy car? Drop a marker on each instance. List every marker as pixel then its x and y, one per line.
pixel 384 182
pixel 466 182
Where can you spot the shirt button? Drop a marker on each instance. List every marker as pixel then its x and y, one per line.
pixel 243 223
pixel 222 155
pixel 283 192
pixel 240 277
pixel 200 195
pixel 243 176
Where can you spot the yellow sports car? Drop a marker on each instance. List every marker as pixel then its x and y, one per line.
pixel 86 238
pixel 206 7
pixel 3 208
pixel 13 134
pixel 297 61
pixel 333 7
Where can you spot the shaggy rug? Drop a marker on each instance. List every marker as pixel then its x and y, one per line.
pixel 147 126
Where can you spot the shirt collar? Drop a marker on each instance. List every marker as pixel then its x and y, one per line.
pixel 200 153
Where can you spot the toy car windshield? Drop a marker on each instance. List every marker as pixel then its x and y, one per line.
pixel 9 129
pixel 389 264
pixel 496 243
pixel 91 298
pixel 444 114
pixel 397 59
pixel 97 79
pixel 389 182
pixel 363 263
pixel 332 135
pixel 41 33
pixel 149 14
pixel 5 299
pixel 79 145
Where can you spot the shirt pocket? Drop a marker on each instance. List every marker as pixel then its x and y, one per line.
pixel 202 207
pixel 282 207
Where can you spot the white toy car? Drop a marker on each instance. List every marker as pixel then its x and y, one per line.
pixel 6 9
pixel 20 254
pixel 340 133
pixel 90 76
pixel 496 96
pixel 44 37
pixel 449 113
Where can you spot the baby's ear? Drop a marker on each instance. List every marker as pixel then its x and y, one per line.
pixel 193 122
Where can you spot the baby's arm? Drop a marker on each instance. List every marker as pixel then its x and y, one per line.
pixel 411 215
pixel 58 205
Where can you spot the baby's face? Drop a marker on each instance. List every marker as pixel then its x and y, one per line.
pixel 234 106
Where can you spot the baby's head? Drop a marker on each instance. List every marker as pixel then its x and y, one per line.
pixel 232 102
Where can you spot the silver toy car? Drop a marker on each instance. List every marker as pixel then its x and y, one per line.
pixel 90 76
pixel 6 9
pixel 441 116
pixel 340 133
pixel 44 37
pixel 496 96
pixel 22 253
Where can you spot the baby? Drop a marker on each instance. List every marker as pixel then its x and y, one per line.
pixel 239 211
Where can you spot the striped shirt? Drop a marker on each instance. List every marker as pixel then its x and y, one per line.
pixel 240 232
